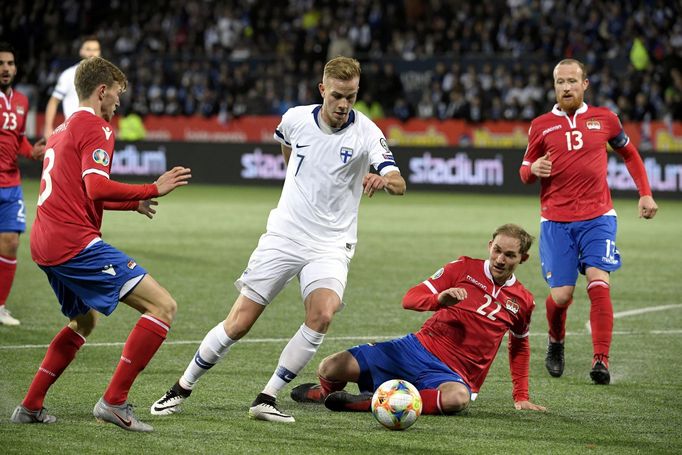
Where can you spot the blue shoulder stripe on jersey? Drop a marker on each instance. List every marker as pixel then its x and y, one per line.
pixel 384 164
pixel 279 134
pixel 619 141
pixel 351 117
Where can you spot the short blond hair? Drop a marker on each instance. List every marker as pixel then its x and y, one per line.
pixel 95 71
pixel 516 232
pixel 570 61
pixel 342 68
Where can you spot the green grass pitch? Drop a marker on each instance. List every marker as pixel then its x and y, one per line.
pixel 198 245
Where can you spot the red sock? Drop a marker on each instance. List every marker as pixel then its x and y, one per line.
pixel 330 386
pixel 142 343
pixel 431 402
pixel 601 316
pixel 8 267
pixel 59 355
pixel 556 318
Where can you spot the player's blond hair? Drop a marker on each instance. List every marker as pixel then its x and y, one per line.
pixel 95 71
pixel 570 61
pixel 516 232
pixel 342 68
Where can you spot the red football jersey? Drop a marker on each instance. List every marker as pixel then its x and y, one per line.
pixel 467 336
pixel 13 111
pixel 577 188
pixel 67 220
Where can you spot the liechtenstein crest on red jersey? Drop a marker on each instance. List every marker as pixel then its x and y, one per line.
pixel 593 124
pixel 511 305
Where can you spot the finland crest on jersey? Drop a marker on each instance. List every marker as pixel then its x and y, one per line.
pixel 323 185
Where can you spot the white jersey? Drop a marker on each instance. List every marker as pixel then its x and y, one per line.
pixel 65 90
pixel 323 185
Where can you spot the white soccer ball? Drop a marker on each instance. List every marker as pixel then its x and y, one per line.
pixel 396 404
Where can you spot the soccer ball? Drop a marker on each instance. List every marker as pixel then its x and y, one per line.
pixel 396 404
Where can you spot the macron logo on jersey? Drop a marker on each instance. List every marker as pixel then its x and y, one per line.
pixel 107 132
pixel 477 283
pixel 549 130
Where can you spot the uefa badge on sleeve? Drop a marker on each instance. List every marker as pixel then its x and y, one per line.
pixel 101 157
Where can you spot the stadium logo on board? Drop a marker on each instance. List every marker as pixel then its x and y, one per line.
pixel 346 154
pixel 593 124
pixel 511 305
pixel 101 157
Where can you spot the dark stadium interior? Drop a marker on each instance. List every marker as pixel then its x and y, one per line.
pixel 428 59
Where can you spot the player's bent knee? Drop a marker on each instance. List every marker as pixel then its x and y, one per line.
pixel 327 367
pixel 167 307
pixel 562 296
pixel 454 399
pixel 9 244
pixel 320 321
pixel 332 366
pixel 83 324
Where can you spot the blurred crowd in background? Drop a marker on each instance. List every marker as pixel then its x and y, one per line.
pixel 472 60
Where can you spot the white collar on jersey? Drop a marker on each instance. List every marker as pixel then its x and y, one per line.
pixel 571 122
pixel 87 109
pixel 7 99
pixel 496 290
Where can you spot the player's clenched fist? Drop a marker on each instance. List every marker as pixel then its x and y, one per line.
pixel 542 167
pixel 172 179
pixel 452 296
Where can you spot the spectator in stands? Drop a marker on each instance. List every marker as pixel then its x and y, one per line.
pixel 181 42
pixel 369 106
pixel 131 128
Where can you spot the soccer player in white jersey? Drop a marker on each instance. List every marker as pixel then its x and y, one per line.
pixel 311 234
pixel 65 90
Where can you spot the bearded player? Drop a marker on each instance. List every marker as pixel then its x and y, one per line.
pixel 567 151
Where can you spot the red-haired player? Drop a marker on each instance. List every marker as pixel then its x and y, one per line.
pixel 567 152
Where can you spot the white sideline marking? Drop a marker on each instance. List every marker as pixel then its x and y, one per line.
pixel 635 312
pixel 349 338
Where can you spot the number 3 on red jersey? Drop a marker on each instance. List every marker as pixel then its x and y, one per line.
pixel 49 156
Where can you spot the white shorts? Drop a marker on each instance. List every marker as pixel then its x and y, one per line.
pixel 277 260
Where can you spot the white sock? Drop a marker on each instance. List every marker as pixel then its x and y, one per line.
pixel 214 346
pixel 295 356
